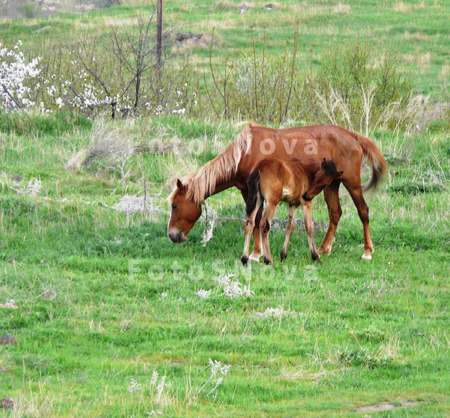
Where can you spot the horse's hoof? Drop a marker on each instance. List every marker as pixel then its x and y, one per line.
pixel 254 258
pixel 366 257
pixel 244 260
pixel 283 256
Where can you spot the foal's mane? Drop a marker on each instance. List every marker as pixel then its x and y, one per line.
pixel 203 183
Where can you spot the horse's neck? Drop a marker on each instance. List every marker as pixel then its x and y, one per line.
pixel 221 185
pixel 207 183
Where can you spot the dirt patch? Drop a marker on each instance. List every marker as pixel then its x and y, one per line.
pixel 8 305
pixel 387 406
pixel 131 204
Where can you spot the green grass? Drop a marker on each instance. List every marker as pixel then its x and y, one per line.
pixel 416 33
pixel 105 299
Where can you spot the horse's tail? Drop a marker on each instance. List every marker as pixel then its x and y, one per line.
pixel 253 192
pixel 376 159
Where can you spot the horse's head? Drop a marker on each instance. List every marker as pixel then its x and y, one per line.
pixel 326 174
pixel 184 214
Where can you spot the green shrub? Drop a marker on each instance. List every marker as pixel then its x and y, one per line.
pixel 356 88
pixel 30 10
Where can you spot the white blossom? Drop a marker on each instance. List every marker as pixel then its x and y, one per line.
pixel 276 312
pixel 203 294
pixel 15 74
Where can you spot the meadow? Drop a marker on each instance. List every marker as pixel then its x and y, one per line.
pixel 109 318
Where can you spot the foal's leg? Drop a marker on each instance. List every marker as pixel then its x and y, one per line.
pixel 307 218
pixel 265 227
pixel 257 249
pixel 248 229
pixel 363 212
pixel 256 231
pixel 289 230
pixel 331 194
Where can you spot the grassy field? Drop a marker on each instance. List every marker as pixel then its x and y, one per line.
pixel 104 299
pixel 108 318
pixel 415 32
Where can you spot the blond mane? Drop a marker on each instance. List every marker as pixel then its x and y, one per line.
pixel 203 183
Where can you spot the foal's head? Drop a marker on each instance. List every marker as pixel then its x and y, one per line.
pixel 184 214
pixel 326 174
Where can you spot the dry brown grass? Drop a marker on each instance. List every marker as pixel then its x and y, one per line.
pixel 114 23
pixel 225 5
pixel 342 9
pixel 423 61
pixel 402 7
pixel 420 37
pixel 444 74
pixel 204 42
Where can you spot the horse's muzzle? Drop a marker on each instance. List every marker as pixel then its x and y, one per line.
pixel 177 237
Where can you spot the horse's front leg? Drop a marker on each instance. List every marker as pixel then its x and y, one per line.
pixel 309 227
pixel 289 230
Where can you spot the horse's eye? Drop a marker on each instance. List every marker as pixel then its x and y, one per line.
pixel 174 207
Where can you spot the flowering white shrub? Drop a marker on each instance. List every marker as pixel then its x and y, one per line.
pixel 93 79
pixel 16 76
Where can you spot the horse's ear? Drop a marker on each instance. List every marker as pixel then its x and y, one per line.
pixel 180 185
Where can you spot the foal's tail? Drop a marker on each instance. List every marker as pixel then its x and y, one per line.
pixel 376 159
pixel 253 192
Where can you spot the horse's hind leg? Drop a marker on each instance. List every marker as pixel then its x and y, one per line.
pixel 363 212
pixel 309 227
pixel 289 230
pixel 331 194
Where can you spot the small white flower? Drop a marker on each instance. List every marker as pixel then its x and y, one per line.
pixel 134 386
pixel 203 294
pixel 276 312
pixel 155 376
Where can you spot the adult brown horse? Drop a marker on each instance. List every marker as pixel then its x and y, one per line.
pixel 233 166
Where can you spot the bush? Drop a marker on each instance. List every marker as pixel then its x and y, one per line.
pixel 255 87
pixel 356 88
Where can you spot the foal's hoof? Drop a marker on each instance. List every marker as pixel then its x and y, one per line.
pixel 326 251
pixel 244 260
pixel 253 258
pixel 268 261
